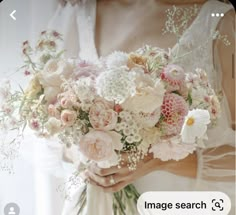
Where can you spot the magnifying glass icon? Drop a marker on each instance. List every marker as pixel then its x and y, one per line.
pixel 217 205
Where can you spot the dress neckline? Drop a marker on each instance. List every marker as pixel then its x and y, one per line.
pixel 93 16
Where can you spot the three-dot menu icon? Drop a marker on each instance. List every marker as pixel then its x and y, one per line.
pixel 217 14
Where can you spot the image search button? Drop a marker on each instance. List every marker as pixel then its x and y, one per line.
pixel 184 203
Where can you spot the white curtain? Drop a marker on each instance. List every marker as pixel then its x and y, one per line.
pixel 32 189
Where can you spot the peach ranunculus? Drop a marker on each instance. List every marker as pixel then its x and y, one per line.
pixel 51 77
pixel 100 146
pixel 68 117
pixel 136 60
pixel 102 116
pixel 149 95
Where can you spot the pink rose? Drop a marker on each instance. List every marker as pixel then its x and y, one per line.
pixel 102 116
pixel 100 145
pixel 66 103
pixel 68 117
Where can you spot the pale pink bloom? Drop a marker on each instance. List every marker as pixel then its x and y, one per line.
pixel 173 76
pixel 207 99
pixel 66 103
pixel 174 109
pixel 7 109
pixel 172 149
pixel 68 117
pixel 202 76
pixel 214 109
pixel 100 145
pixel 87 69
pixel 52 111
pixel 148 119
pixel 27 73
pixel 102 116
pixel 5 89
pixel 34 124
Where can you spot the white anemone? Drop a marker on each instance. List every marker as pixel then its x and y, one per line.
pixel 195 125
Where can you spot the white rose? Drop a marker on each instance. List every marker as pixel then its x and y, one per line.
pixel 51 77
pixel 148 98
pixel 53 125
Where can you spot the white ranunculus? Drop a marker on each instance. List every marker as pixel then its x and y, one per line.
pixel 195 125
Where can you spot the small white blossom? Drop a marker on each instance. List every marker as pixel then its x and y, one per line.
pixel 116 85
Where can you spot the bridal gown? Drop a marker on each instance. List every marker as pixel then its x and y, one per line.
pixel 77 24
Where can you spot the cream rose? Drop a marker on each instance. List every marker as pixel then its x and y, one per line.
pixel 102 116
pixel 51 77
pixel 68 117
pixel 148 98
pixel 100 146
pixel 53 126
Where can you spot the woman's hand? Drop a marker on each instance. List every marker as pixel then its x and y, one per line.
pixel 114 179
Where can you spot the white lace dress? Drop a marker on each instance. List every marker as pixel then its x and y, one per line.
pixel 77 24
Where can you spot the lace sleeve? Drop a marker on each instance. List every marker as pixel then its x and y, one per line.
pixel 217 161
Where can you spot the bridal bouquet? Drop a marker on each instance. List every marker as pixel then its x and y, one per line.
pixel 133 103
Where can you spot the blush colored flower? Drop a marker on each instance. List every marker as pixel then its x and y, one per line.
pixel 136 60
pixel 214 109
pixel 102 116
pixel 5 89
pixel 172 149
pixel 87 69
pixel 174 109
pixel 52 111
pixel 66 103
pixel 68 117
pixel 195 125
pixel 34 124
pixel 173 76
pixel 100 145
pixel 27 73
